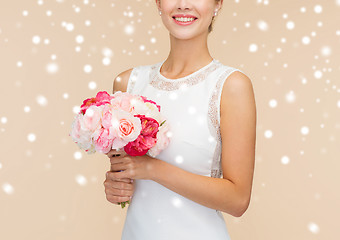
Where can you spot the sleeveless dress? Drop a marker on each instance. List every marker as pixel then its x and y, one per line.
pixel 191 106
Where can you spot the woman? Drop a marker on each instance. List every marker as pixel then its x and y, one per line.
pixel 211 111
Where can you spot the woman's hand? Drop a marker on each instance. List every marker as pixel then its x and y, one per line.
pixel 117 190
pixel 132 167
pixel 113 154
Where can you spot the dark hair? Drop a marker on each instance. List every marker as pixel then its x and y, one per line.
pixel 212 21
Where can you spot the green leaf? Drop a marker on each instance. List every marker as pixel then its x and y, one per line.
pixel 162 123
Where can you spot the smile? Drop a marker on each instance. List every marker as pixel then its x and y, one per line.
pixel 184 20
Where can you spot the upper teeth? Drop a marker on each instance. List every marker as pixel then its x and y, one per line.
pixel 181 19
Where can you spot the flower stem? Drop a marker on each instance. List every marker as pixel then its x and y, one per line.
pixel 124 203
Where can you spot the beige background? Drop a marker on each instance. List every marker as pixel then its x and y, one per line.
pixel 50 189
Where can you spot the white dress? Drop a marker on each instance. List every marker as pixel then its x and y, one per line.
pixel 191 107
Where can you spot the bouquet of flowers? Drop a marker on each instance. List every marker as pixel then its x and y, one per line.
pixel 120 120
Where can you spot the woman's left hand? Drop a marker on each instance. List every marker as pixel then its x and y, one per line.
pixel 134 167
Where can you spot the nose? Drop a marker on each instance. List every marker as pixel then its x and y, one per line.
pixel 184 4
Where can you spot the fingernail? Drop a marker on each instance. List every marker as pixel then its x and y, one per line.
pixel 132 180
pixel 130 197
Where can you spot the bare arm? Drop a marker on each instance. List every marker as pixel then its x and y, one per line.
pixel 238 129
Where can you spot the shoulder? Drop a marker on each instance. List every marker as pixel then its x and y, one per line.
pixel 237 91
pixel 233 81
pixel 236 77
pixel 237 81
pixel 232 78
pixel 120 82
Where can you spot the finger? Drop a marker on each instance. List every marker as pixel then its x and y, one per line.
pixel 120 198
pixel 113 151
pixel 127 192
pixel 119 159
pixel 124 192
pixel 111 192
pixel 116 199
pixel 113 187
pixel 121 188
pixel 116 175
pixel 117 167
pixel 126 186
pixel 122 153
pixel 127 180
pixel 115 160
pixel 113 154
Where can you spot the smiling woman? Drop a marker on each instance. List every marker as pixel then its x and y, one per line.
pixel 208 165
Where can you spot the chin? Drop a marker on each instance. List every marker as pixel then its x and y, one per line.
pixel 185 35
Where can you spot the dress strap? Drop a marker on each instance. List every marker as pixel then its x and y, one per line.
pixel 132 80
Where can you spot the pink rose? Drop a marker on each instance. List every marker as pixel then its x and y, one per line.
pixel 102 140
pixel 101 98
pixel 125 127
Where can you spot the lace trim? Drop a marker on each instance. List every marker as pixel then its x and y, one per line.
pixel 160 83
pixel 132 80
pixel 214 119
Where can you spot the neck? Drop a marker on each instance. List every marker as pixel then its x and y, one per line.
pixel 187 55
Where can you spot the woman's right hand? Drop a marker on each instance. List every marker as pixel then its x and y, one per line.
pixel 117 190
